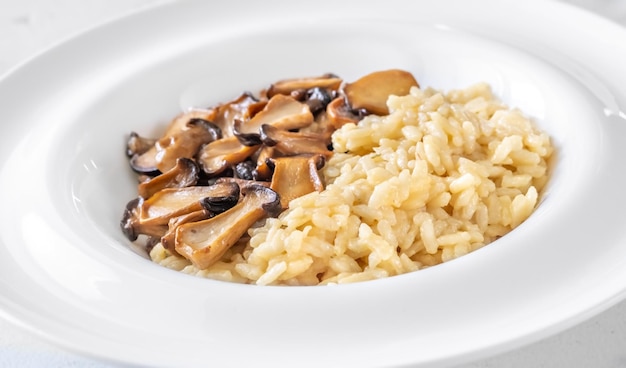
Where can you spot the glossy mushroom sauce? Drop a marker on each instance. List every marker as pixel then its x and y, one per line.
pixel 318 180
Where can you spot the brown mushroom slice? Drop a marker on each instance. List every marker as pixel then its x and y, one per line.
pixel 322 126
pixel 143 178
pixel 174 202
pixel 146 163
pixel 237 109
pixel 241 182
pixel 204 242
pixel 131 224
pixel 371 92
pixel 254 109
pixel 263 171
pixel 184 142
pixel 182 119
pixel 221 154
pixel 283 112
pixel 136 144
pixel 339 113
pixel 168 240
pixel 184 174
pixel 287 86
pixel 294 143
pixel 296 176
pixel 245 169
pixel 318 98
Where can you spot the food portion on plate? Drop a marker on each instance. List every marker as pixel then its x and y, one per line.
pixel 323 181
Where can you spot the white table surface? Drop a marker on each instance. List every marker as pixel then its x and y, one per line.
pixel 29 26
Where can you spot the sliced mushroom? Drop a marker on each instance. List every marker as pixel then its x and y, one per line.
pixel 294 143
pixel 184 142
pixel 218 204
pixel 169 238
pixel 184 174
pixel 136 144
pixel 281 111
pixel 321 126
pixel 223 153
pixel 204 242
pixel 287 86
pixel 237 109
pixel 262 171
pixel 296 176
pixel 182 119
pixel 254 109
pixel 371 92
pixel 245 170
pixel 241 182
pixel 132 226
pixel 174 202
pixel 339 113
pixel 146 163
pixel 141 178
pixel 318 98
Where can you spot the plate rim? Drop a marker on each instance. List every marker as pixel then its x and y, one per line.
pixel 24 67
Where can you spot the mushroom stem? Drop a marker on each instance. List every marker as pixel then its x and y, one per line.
pixel 294 143
pixel 296 176
pixel 204 242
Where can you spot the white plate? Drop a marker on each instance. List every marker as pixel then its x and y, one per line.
pixel 68 275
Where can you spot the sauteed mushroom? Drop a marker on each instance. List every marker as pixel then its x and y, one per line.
pixel 240 108
pixel 168 240
pixel 173 202
pixel 147 161
pixel 223 153
pixel 184 142
pixel 204 242
pixel 245 170
pixel 322 126
pixel 131 225
pixel 241 182
pixel 372 91
pixel 151 216
pixel 136 144
pixel 294 143
pixel 287 86
pixel 296 176
pixel 184 174
pixel 263 171
pixel 318 98
pixel 339 113
pixel 281 111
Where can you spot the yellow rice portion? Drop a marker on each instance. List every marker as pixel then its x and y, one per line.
pixel 441 176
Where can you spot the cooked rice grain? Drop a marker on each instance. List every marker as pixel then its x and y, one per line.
pixel 441 176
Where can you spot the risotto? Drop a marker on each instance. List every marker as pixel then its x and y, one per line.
pixel 443 174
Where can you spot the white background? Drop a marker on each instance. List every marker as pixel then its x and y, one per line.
pixel 29 26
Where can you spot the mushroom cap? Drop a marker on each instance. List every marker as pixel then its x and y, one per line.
pixel 371 91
